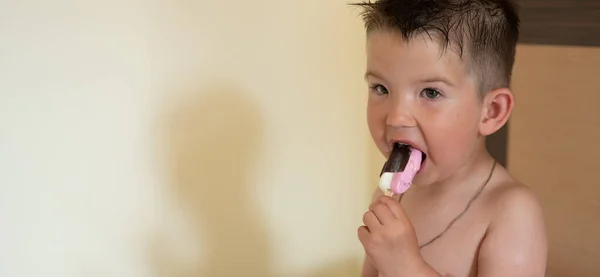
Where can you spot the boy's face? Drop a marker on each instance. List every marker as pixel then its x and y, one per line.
pixel 423 97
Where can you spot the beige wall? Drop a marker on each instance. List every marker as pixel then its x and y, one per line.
pixel 553 148
pixel 181 138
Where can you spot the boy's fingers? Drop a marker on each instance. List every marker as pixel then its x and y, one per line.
pixel 363 234
pixel 383 213
pixel 393 205
pixel 370 220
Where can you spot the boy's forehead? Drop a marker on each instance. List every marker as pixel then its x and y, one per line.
pixel 388 54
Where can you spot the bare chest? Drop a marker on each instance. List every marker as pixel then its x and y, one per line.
pixel 453 252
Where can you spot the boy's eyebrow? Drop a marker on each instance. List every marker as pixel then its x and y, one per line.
pixel 434 79
pixel 437 79
pixel 372 73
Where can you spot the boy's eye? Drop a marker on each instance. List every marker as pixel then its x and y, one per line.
pixel 379 89
pixel 431 93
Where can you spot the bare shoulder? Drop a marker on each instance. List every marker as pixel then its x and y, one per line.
pixel 511 198
pixel 515 242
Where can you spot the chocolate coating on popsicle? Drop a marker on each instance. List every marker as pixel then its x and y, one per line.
pixel 397 160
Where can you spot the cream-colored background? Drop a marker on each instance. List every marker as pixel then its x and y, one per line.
pixel 553 147
pixel 182 138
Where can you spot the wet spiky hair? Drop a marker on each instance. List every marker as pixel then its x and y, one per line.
pixel 485 32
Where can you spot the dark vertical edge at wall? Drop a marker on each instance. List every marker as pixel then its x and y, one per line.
pixel 551 22
pixel 560 22
pixel 497 144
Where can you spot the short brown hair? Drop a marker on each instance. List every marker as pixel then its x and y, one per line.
pixel 486 30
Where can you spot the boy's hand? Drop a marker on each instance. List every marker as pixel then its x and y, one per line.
pixel 390 240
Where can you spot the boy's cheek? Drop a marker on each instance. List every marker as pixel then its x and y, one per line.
pixel 452 145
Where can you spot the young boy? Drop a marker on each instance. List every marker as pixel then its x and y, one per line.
pixel 439 74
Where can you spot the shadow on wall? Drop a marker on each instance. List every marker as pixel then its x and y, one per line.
pixel 214 140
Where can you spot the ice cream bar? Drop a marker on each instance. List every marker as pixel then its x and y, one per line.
pixel 400 169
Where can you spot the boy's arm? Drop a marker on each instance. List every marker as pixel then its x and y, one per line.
pixel 515 244
pixel 368 269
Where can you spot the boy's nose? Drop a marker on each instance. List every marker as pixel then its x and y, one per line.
pixel 400 116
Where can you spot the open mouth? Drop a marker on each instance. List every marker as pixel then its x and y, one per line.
pixel 410 147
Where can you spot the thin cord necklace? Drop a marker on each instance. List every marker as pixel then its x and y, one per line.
pixel 464 211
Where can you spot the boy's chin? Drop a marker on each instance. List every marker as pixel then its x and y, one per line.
pixel 420 180
pixel 423 177
pixel 423 181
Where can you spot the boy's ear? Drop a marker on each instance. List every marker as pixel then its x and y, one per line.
pixel 497 107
